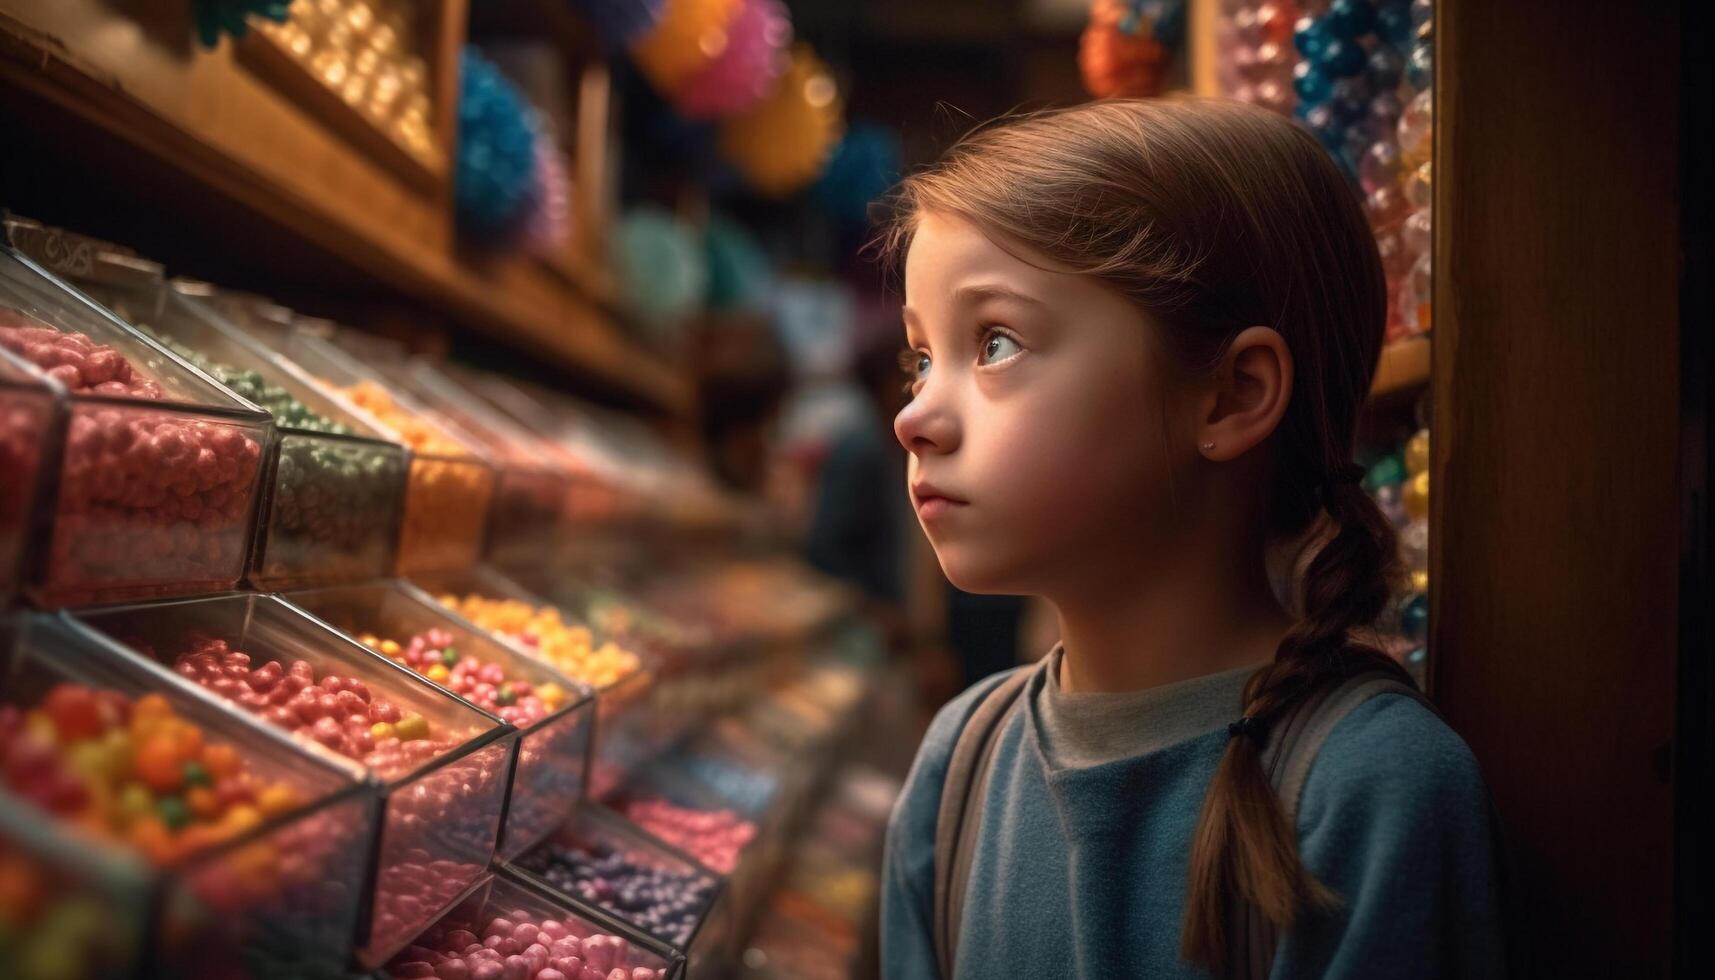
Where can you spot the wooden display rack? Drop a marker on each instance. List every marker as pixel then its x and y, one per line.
pixel 1568 636
pixel 133 75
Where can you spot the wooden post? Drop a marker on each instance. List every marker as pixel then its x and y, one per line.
pixel 1556 377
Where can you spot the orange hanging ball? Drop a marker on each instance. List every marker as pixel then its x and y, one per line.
pixel 783 143
pixel 689 35
pixel 1118 56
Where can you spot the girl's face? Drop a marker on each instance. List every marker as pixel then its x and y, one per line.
pixel 1036 427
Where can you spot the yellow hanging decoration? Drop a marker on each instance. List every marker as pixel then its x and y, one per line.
pixel 782 144
pixel 689 35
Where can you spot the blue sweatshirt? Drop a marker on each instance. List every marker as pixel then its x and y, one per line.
pixel 1080 870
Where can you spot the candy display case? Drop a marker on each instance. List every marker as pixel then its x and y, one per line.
pixel 629 729
pixel 451 483
pixel 444 765
pixel 510 927
pixel 532 489
pixel 555 715
pixel 335 486
pixel 199 842
pixel 597 858
pixel 596 501
pixel 159 477
pixel 69 908
pixel 32 420
pixel 699 674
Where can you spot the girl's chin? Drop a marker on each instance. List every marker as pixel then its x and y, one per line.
pixel 978 574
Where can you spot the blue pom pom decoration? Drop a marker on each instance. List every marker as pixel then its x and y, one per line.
pixel 864 166
pixel 217 17
pixel 496 150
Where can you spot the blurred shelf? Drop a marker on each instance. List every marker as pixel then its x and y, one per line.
pixel 134 74
pixel 1404 366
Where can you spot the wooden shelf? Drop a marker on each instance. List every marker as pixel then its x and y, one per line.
pixel 136 76
pixel 1404 366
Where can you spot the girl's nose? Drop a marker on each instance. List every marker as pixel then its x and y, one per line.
pixel 926 426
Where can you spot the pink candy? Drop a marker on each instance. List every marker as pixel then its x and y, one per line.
pixel 146 496
pixel 715 838
pixel 540 949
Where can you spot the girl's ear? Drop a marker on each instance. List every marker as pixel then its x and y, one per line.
pixel 1247 396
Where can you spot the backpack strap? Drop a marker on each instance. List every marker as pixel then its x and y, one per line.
pixel 1287 758
pixel 961 809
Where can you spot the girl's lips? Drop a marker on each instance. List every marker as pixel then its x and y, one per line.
pixel 932 503
pixel 934 508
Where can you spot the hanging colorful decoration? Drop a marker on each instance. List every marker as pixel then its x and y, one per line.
pixel 548 219
pixel 217 17
pixel 782 144
pixel 660 266
pixel 747 69
pixel 619 22
pixel 1129 45
pixel 864 166
pixel 1256 53
pixel 496 167
pixel 689 36
pixel 1359 73
pixel 738 269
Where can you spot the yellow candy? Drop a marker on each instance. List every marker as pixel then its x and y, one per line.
pixel 1417 453
pixel 390 648
pixel 551 694
pixel 119 753
pixel 242 817
pixel 88 758
pixel 381 730
pixel 1420 580
pixel 437 673
pixel 412 728
pixel 277 799
pixel 41 727
pixel 135 802
pixel 1415 496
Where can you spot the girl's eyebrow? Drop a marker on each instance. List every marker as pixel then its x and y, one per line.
pixel 976 292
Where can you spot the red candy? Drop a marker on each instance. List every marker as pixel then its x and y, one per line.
pixel 338 712
pixel 146 496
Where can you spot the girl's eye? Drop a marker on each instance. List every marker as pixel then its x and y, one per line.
pixel 920 366
pixel 998 347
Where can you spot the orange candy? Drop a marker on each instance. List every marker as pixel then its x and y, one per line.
pixel 202 802
pixel 148 713
pixel 221 760
pixel 150 836
pixel 159 763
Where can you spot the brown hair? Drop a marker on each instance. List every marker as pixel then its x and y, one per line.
pixel 1214 217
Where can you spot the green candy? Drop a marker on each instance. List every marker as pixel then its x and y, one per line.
pixel 173 811
pixel 450 656
pixel 506 696
pixel 196 775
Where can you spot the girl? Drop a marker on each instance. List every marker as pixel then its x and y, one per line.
pixel 1140 335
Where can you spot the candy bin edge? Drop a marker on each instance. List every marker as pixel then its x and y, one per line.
pixel 410 860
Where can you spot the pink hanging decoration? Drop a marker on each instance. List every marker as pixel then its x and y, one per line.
pixel 746 71
pixel 548 226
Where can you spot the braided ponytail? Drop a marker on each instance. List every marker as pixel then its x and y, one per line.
pixel 1213 217
pixel 1243 849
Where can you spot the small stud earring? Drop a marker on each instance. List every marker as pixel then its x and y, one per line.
pixel 1208 446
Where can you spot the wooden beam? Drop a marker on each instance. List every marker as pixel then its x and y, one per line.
pixel 1555 388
